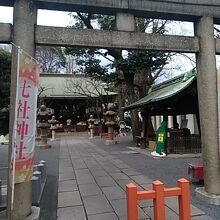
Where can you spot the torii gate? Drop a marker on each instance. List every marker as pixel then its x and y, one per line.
pixel 204 13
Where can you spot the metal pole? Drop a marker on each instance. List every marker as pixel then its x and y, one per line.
pixel 14 133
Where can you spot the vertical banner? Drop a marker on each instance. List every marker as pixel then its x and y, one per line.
pixel 25 119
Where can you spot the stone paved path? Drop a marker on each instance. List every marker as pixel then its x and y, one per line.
pixel 92 184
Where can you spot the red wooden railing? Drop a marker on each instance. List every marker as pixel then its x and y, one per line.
pixel 158 194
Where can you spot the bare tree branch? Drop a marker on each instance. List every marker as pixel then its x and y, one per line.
pixel 193 62
pixel 42 89
pixel 158 72
pixel 87 87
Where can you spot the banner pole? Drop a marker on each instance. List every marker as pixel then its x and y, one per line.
pixel 14 130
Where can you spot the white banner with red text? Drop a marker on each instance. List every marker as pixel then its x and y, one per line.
pixel 23 141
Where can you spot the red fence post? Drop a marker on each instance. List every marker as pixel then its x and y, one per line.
pixel 184 200
pixel 132 209
pixel 159 207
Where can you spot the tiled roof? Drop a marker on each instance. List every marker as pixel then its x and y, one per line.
pixel 71 86
pixel 165 90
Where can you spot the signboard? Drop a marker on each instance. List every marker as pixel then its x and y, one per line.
pixel 25 119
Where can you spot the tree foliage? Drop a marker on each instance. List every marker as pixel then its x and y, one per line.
pixel 5 73
pixel 87 63
pixel 135 62
pixel 136 70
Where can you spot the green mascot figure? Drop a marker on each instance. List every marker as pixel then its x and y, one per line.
pixel 160 140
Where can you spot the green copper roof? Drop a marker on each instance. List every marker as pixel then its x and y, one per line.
pixel 165 90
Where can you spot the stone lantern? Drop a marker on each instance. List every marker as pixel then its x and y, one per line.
pixel 42 117
pixel 110 121
pixel 91 122
pixel 53 122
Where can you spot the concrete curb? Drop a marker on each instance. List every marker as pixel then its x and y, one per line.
pixel 207 197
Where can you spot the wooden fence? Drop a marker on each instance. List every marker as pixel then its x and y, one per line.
pixel 158 194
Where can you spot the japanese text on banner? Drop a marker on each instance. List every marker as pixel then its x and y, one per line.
pixel 25 121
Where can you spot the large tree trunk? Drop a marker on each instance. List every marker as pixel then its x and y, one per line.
pixel 121 100
pixel 143 81
pixel 134 113
pixel 135 123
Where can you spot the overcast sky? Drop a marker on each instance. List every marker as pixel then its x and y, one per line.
pixel 45 17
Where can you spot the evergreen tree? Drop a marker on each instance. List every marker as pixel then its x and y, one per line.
pixel 5 73
pixel 134 72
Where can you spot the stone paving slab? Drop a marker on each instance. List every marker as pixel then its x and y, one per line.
pixel 65 169
pixel 96 205
pixel 71 213
pixel 99 173
pixel 69 175
pixel 146 186
pixel 123 183
pixel 94 168
pixel 131 172
pixel 119 207
pixel 64 157
pixel 74 155
pixel 90 189
pixel 85 179
pixel 84 176
pixel 114 192
pixel 172 203
pixel 170 215
pixel 64 152
pixel 119 176
pixel 105 216
pixel 90 161
pixel 92 184
pixel 141 179
pixel 111 169
pixel 67 186
pixel 78 164
pixel 66 199
pixel 105 181
pixel 82 172
pixel 195 211
pixel 145 203
pixel 119 164
pixel 65 163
